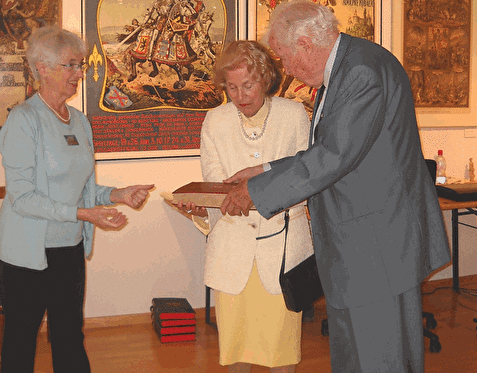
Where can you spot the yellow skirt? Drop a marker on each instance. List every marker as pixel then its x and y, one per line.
pixel 256 327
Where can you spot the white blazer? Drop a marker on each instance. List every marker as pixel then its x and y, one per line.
pixel 232 245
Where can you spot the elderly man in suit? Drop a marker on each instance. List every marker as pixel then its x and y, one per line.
pixel 377 225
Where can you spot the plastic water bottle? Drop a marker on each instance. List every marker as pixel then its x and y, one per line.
pixel 441 168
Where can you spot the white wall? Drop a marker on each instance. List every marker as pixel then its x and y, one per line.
pixel 160 252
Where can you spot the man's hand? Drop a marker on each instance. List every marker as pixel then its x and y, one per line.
pixel 134 196
pixel 105 218
pixel 245 174
pixel 238 200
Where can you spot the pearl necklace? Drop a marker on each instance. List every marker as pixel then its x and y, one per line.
pixel 58 115
pixel 254 135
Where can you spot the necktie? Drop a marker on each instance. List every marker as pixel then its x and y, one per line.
pixel 317 104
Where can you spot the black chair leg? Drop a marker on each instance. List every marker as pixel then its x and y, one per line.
pixel 431 323
pixel 324 328
pixel 434 343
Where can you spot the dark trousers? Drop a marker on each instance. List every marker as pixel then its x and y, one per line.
pixel 59 290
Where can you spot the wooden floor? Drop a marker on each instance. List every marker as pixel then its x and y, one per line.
pixel 136 349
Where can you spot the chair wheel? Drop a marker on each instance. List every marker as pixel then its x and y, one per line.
pixel 324 328
pixel 435 346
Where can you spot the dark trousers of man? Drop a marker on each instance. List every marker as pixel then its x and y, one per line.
pixel 59 290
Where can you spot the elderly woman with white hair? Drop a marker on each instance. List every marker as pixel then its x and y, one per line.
pixel 51 206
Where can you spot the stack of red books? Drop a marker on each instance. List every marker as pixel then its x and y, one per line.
pixel 173 319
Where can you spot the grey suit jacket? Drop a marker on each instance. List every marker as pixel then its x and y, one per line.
pixel 377 225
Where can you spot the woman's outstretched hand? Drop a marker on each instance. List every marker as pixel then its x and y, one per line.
pixel 134 196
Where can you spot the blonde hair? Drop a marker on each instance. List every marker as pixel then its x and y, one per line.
pixel 256 57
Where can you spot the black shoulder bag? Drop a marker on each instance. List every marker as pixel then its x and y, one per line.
pixel 301 285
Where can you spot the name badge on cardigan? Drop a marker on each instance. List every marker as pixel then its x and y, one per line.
pixel 71 140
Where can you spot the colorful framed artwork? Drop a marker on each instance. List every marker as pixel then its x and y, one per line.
pixel 357 18
pixel 149 85
pixel 19 18
pixel 434 42
pixel 436 51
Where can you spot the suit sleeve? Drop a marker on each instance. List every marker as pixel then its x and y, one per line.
pixel 353 116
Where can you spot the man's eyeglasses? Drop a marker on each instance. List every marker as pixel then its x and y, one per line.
pixel 75 66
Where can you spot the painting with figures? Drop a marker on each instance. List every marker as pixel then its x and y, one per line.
pixel 149 85
pixel 160 53
pixel 357 18
pixel 437 47
pixel 19 18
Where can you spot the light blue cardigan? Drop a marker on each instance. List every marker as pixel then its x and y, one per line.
pixel 22 235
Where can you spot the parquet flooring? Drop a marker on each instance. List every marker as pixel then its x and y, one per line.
pixel 136 349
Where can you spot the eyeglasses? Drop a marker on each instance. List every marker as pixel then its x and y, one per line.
pixel 75 66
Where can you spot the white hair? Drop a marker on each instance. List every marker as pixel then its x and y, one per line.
pixel 296 18
pixel 47 43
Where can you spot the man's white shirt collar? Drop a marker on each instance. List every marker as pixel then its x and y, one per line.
pixel 331 62
pixel 326 80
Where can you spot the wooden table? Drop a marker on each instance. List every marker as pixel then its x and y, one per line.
pixel 454 206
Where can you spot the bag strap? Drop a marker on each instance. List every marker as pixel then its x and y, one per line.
pixel 285 228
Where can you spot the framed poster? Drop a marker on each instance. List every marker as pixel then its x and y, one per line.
pixel 19 18
pixel 439 115
pixel 149 85
pixel 436 46
pixel 358 18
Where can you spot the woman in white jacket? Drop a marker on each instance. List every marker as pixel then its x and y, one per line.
pixel 254 324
